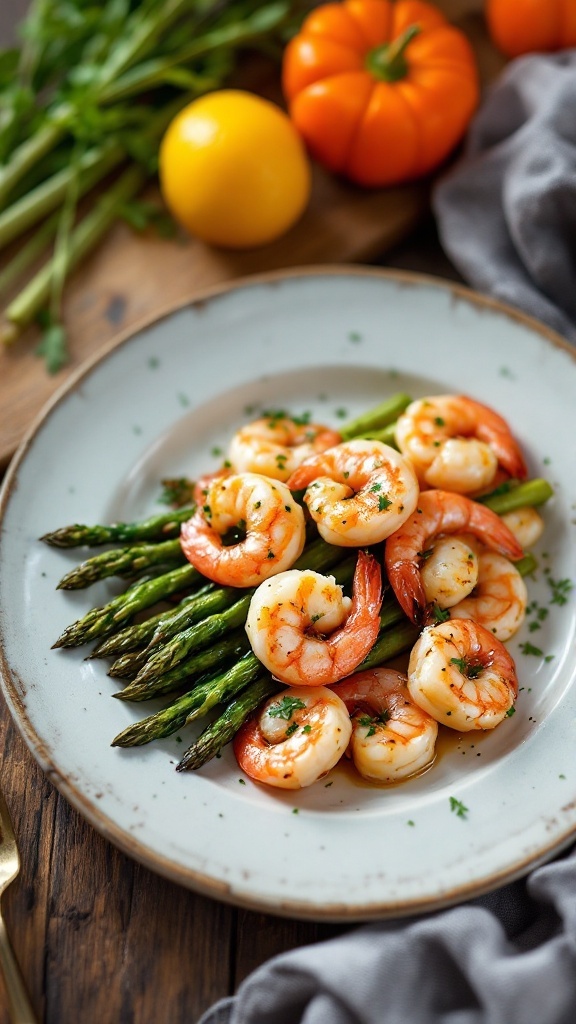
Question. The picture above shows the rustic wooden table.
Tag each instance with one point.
(99, 937)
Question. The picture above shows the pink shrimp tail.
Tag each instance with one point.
(494, 430)
(356, 639)
(308, 471)
(439, 512)
(405, 580)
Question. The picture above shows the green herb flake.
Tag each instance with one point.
(560, 590)
(440, 614)
(292, 728)
(467, 668)
(383, 503)
(511, 711)
(177, 491)
(528, 648)
(458, 808)
(285, 708)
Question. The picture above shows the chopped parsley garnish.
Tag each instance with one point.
(560, 590)
(467, 668)
(383, 503)
(459, 809)
(440, 614)
(292, 728)
(177, 491)
(528, 648)
(371, 722)
(511, 711)
(285, 708)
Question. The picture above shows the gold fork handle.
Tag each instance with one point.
(19, 1007)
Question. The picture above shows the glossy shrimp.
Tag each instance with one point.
(295, 738)
(462, 675)
(264, 513)
(275, 445)
(526, 524)
(449, 571)
(358, 492)
(306, 632)
(438, 512)
(498, 601)
(392, 738)
(457, 444)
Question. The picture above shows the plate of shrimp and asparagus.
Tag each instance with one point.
(335, 621)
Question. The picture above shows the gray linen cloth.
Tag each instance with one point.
(506, 958)
(506, 213)
(507, 218)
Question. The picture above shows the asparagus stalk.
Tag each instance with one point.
(192, 705)
(382, 415)
(514, 495)
(391, 643)
(29, 252)
(224, 728)
(40, 201)
(103, 620)
(137, 636)
(121, 562)
(22, 310)
(158, 527)
(199, 608)
(234, 645)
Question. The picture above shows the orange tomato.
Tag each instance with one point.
(234, 170)
(381, 92)
(525, 26)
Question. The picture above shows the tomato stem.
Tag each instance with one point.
(388, 62)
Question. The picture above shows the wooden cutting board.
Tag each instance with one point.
(131, 278)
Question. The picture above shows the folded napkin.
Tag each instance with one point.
(506, 958)
(506, 213)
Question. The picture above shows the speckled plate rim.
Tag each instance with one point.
(166, 867)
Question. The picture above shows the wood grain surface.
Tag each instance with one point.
(102, 940)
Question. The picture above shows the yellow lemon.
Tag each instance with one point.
(233, 169)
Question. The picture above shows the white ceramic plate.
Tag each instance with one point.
(333, 342)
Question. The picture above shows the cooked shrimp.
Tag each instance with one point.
(358, 493)
(438, 512)
(457, 444)
(262, 509)
(498, 602)
(449, 571)
(276, 444)
(392, 738)
(526, 524)
(295, 739)
(306, 632)
(462, 675)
